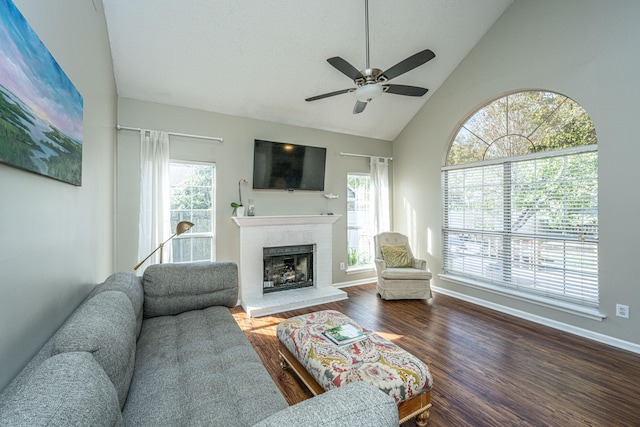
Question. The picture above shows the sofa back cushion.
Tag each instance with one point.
(131, 285)
(171, 289)
(70, 389)
(105, 327)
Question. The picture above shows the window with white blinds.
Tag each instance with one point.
(528, 222)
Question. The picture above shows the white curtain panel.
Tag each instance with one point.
(155, 225)
(379, 170)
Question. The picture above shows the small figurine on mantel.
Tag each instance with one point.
(329, 197)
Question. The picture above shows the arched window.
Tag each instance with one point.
(520, 200)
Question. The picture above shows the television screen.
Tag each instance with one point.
(284, 166)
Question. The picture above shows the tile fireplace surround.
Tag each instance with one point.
(258, 232)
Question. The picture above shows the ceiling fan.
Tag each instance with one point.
(371, 82)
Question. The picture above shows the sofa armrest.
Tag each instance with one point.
(170, 289)
(420, 264)
(355, 404)
(380, 264)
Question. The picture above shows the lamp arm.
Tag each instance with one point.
(163, 243)
(154, 251)
(148, 256)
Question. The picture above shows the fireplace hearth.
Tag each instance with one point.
(287, 267)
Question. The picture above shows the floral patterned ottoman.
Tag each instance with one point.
(323, 365)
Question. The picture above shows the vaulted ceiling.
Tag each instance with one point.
(260, 59)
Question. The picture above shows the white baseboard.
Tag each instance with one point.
(605, 339)
(355, 282)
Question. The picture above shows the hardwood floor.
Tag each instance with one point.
(489, 368)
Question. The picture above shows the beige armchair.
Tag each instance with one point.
(400, 275)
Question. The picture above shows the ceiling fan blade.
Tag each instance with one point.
(345, 68)
(359, 107)
(326, 95)
(408, 64)
(405, 90)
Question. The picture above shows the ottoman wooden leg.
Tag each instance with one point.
(296, 367)
(423, 418)
(283, 362)
(417, 408)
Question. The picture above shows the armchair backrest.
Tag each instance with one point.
(390, 238)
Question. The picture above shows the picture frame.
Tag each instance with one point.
(41, 111)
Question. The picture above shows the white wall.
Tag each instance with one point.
(585, 49)
(234, 161)
(57, 239)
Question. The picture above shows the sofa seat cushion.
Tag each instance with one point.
(70, 389)
(105, 327)
(405, 274)
(198, 368)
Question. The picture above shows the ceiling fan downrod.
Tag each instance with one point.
(368, 88)
(366, 29)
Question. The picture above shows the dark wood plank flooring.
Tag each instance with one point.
(489, 368)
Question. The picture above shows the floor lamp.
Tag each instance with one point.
(180, 228)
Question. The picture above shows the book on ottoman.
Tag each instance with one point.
(345, 334)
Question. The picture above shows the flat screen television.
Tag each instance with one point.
(284, 166)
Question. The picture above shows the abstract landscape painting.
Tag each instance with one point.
(40, 109)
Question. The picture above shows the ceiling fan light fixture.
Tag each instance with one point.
(368, 92)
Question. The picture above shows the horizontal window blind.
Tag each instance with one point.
(530, 225)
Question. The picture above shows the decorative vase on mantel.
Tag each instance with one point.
(240, 211)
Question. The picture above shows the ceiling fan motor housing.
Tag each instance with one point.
(370, 75)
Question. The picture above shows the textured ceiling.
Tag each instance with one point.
(261, 59)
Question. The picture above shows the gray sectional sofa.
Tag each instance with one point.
(164, 350)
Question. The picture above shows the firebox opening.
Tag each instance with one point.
(287, 267)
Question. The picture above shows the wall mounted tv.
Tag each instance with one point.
(283, 166)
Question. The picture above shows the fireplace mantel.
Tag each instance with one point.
(260, 221)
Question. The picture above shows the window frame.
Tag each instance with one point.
(193, 232)
(588, 309)
(358, 268)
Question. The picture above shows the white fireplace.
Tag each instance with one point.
(259, 232)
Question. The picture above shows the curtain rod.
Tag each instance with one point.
(186, 135)
(365, 155)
